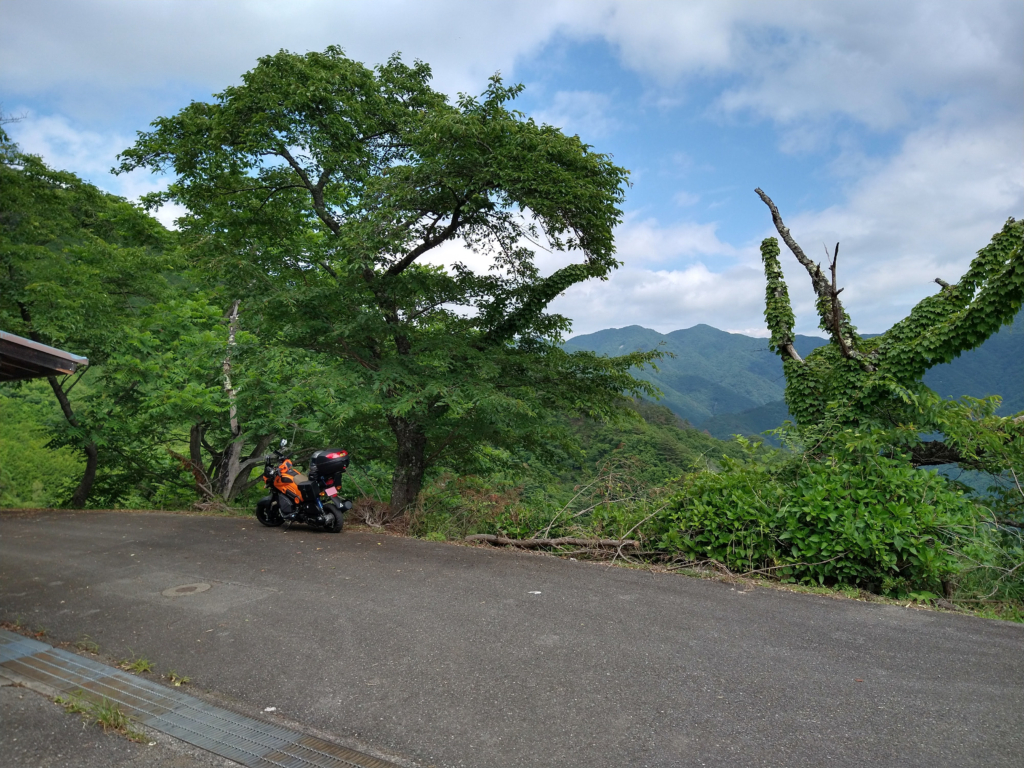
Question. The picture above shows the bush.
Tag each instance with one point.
(453, 507)
(33, 473)
(852, 517)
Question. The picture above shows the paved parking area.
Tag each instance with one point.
(444, 655)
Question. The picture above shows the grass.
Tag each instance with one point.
(87, 644)
(136, 664)
(177, 680)
(104, 713)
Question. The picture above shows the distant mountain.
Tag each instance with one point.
(994, 368)
(712, 373)
(728, 383)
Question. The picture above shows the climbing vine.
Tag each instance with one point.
(877, 382)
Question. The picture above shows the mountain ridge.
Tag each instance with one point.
(731, 383)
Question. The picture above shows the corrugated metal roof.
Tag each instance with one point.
(22, 358)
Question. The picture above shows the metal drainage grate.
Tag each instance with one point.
(243, 739)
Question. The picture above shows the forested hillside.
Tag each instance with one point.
(712, 372)
(728, 383)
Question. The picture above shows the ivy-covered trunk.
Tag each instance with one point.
(410, 463)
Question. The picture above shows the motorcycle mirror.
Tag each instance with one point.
(284, 443)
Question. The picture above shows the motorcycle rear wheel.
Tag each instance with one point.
(268, 513)
(335, 521)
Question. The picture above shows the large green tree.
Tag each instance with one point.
(77, 264)
(315, 190)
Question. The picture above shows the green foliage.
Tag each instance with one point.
(853, 516)
(167, 376)
(994, 368)
(137, 664)
(853, 507)
(77, 265)
(87, 644)
(104, 712)
(451, 507)
(77, 262)
(877, 382)
(177, 680)
(315, 187)
(608, 489)
(32, 473)
(659, 445)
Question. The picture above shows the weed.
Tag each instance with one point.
(105, 713)
(74, 703)
(136, 664)
(86, 643)
(177, 680)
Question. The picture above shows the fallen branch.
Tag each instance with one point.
(563, 541)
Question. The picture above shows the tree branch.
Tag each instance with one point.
(429, 243)
(562, 541)
(832, 318)
(932, 453)
(837, 308)
(315, 190)
(791, 351)
(818, 280)
(356, 357)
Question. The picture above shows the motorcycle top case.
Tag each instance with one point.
(329, 461)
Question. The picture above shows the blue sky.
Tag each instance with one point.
(894, 128)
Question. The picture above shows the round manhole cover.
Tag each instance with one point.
(186, 589)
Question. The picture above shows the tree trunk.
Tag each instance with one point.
(195, 461)
(241, 482)
(411, 463)
(92, 454)
(230, 464)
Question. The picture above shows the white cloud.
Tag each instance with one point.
(124, 45)
(63, 145)
(795, 59)
(584, 113)
(645, 241)
(944, 79)
(876, 62)
(666, 300)
(922, 215)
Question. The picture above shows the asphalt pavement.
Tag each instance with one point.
(442, 655)
(37, 733)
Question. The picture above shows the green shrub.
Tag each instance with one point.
(453, 507)
(33, 473)
(853, 517)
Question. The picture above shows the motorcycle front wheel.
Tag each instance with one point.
(268, 513)
(335, 521)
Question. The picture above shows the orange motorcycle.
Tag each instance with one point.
(314, 499)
